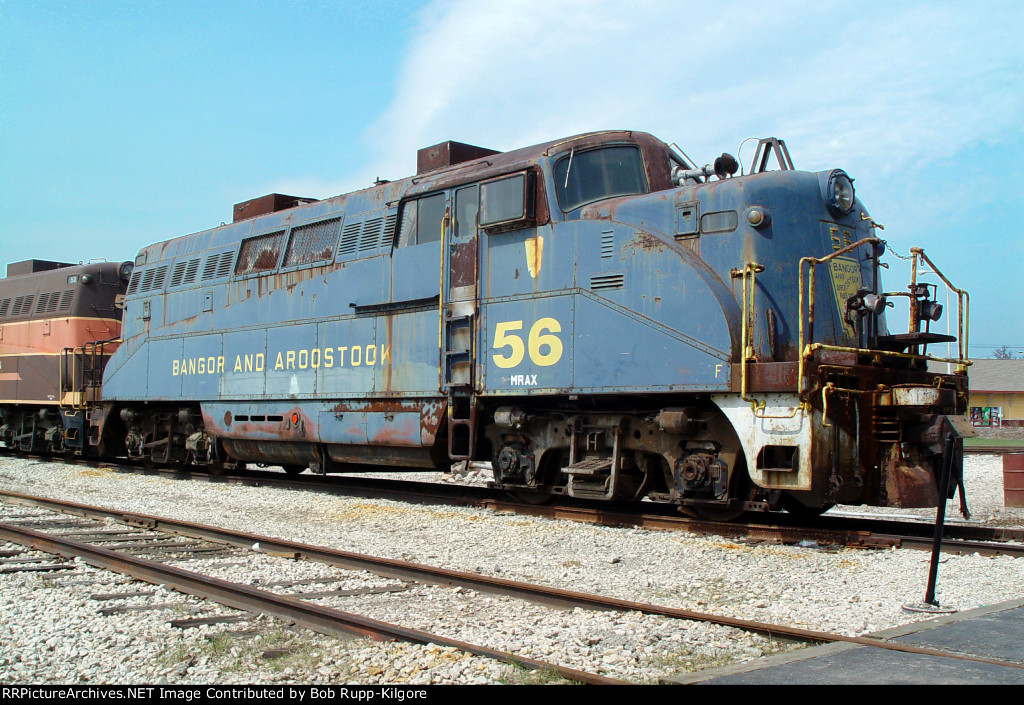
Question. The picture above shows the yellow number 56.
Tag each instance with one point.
(542, 335)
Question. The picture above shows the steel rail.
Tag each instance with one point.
(959, 547)
(875, 533)
(441, 576)
(993, 450)
(616, 515)
(422, 492)
(324, 620)
(857, 538)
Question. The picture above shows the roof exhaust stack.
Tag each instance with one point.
(448, 154)
(271, 203)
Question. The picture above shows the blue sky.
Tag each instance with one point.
(127, 123)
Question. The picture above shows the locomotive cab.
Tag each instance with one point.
(766, 386)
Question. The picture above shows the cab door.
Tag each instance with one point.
(460, 290)
(459, 310)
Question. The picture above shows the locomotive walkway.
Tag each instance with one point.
(991, 633)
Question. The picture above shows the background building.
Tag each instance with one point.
(997, 393)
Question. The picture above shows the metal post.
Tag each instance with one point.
(930, 603)
(940, 518)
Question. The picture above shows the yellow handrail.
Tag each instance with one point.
(749, 272)
(963, 302)
(812, 262)
(441, 306)
(807, 349)
(750, 269)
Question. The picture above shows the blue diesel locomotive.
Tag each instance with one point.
(597, 316)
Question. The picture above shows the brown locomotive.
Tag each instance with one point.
(59, 323)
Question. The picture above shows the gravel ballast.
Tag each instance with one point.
(51, 630)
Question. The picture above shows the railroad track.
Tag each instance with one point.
(993, 450)
(857, 532)
(826, 530)
(331, 621)
(117, 553)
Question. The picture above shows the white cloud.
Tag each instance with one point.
(860, 84)
(898, 93)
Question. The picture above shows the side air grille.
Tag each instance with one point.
(607, 280)
(185, 272)
(367, 237)
(161, 275)
(259, 254)
(349, 239)
(312, 243)
(218, 264)
(22, 305)
(370, 237)
(388, 238)
(152, 279)
(178, 274)
(66, 299)
(48, 302)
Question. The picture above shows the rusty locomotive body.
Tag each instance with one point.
(597, 316)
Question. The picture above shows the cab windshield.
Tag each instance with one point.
(585, 177)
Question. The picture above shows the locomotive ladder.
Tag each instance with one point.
(80, 374)
(79, 378)
(457, 366)
(457, 333)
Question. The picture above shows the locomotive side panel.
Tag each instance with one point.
(245, 364)
(265, 348)
(407, 354)
(619, 351)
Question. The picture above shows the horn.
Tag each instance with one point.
(726, 165)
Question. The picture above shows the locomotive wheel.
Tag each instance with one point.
(293, 470)
(550, 474)
(743, 489)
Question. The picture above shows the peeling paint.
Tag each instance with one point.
(534, 255)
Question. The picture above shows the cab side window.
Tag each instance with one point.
(421, 221)
(465, 212)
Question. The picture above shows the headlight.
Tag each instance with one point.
(840, 192)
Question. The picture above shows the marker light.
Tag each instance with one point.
(757, 216)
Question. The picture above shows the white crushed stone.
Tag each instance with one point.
(51, 632)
